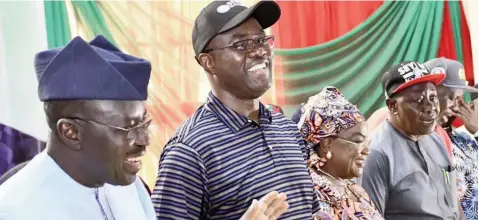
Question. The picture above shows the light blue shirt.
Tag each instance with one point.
(410, 179)
(42, 190)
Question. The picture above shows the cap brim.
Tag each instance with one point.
(434, 78)
(462, 87)
(266, 13)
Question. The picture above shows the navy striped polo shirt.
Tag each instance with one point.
(218, 161)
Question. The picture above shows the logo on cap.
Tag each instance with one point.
(412, 71)
(438, 70)
(462, 74)
(226, 7)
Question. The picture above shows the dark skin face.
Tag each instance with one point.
(448, 102)
(230, 71)
(413, 111)
(93, 153)
(349, 150)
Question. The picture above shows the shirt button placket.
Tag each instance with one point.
(273, 152)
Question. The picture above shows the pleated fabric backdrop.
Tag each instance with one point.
(347, 44)
(350, 44)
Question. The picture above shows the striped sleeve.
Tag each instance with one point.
(180, 189)
(316, 205)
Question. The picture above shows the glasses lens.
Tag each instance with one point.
(265, 42)
(249, 45)
(132, 133)
(269, 42)
(142, 127)
(253, 44)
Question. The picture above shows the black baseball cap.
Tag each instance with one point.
(221, 16)
(455, 75)
(406, 74)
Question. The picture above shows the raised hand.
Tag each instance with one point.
(468, 115)
(270, 207)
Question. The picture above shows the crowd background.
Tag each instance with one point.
(345, 44)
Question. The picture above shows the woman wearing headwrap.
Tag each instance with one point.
(335, 134)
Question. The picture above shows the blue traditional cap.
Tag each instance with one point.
(91, 71)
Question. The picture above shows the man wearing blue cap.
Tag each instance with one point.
(93, 97)
(233, 149)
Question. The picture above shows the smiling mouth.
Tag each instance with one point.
(133, 162)
(259, 67)
(360, 162)
(428, 121)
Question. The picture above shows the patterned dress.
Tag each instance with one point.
(338, 205)
(465, 162)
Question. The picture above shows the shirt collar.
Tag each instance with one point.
(61, 176)
(232, 119)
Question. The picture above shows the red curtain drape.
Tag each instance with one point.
(308, 23)
(446, 43)
(466, 48)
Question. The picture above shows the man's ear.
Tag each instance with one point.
(207, 62)
(392, 105)
(69, 132)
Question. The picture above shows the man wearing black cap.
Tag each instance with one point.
(233, 149)
(408, 173)
(93, 97)
(464, 147)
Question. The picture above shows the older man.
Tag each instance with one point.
(450, 93)
(93, 97)
(233, 149)
(408, 173)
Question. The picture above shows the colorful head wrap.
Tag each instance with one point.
(327, 114)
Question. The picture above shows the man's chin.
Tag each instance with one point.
(259, 91)
(126, 180)
(426, 130)
(264, 89)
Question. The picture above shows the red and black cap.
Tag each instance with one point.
(406, 74)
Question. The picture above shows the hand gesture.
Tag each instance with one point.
(468, 116)
(270, 207)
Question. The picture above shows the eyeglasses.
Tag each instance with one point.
(131, 133)
(357, 145)
(249, 45)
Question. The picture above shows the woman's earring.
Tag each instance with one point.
(329, 155)
(322, 162)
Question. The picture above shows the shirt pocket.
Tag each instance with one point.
(448, 182)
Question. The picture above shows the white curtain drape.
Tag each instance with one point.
(22, 34)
